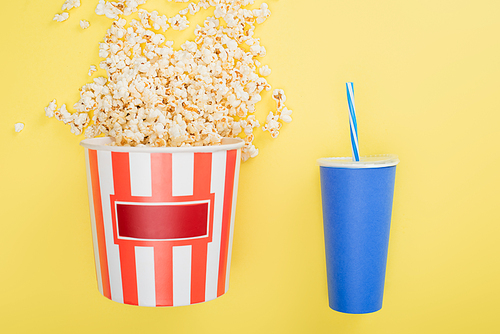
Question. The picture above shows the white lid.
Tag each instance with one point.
(372, 161)
(102, 144)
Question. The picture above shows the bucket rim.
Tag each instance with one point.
(102, 144)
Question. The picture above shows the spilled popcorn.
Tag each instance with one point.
(61, 17)
(156, 95)
(69, 4)
(51, 108)
(92, 69)
(84, 24)
(18, 127)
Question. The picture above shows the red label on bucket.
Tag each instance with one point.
(162, 221)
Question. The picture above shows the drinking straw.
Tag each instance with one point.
(352, 121)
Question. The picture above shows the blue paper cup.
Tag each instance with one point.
(357, 206)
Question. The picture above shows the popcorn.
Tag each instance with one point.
(257, 50)
(158, 22)
(248, 151)
(92, 69)
(130, 6)
(51, 108)
(193, 8)
(155, 95)
(84, 24)
(178, 22)
(109, 9)
(285, 115)
(62, 114)
(61, 17)
(262, 13)
(272, 125)
(18, 127)
(279, 97)
(69, 4)
(249, 124)
(91, 131)
(265, 71)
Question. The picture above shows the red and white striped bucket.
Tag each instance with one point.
(162, 220)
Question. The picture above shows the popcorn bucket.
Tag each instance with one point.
(162, 220)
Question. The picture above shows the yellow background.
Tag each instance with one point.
(426, 75)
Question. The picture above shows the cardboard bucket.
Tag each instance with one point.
(162, 220)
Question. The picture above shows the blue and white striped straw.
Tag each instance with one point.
(352, 121)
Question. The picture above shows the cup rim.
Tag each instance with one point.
(370, 161)
(102, 144)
